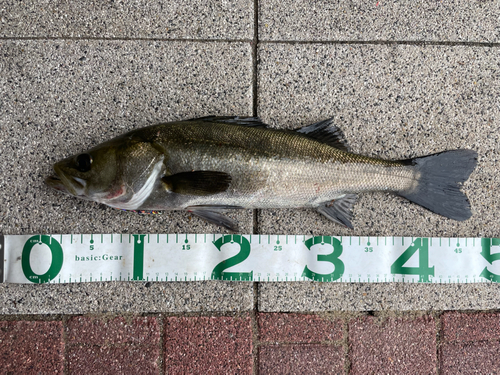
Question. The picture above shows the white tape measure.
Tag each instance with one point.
(190, 257)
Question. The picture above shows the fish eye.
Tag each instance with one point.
(83, 162)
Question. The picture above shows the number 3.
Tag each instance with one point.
(332, 258)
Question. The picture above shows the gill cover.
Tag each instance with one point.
(114, 173)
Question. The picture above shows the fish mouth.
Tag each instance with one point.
(66, 184)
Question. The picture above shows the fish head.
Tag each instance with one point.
(111, 173)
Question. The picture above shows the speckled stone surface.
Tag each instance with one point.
(296, 297)
(190, 19)
(60, 97)
(382, 20)
(98, 298)
(392, 102)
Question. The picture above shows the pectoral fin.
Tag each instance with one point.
(339, 210)
(210, 214)
(197, 182)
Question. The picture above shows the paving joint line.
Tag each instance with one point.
(64, 321)
(255, 46)
(385, 42)
(251, 41)
(345, 344)
(255, 330)
(120, 39)
(161, 360)
(438, 325)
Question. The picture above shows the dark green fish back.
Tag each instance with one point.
(256, 140)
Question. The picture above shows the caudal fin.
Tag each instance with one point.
(441, 176)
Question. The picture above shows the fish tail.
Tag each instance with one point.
(441, 176)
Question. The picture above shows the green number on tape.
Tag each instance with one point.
(332, 258)
(55, 266)
(486, 244)
(423, 270)
(218, 272)
(138, 270)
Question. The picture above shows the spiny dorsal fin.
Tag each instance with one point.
(326, 132)
(339, 210)
(246, 121)
(197, 182)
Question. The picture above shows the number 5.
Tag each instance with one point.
(486, 244)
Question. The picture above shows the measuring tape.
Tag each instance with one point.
(74, 258)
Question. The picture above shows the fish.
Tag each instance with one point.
(210, 165)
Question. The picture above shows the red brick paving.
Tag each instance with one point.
(324, 357)
(301, 359)
(458, 326)
(137, 330)
(305, 328)
(31, 347)
(470, 358)
(393, 346)
(111, 346)
(203, 345)
(470, 343)
(113, 360)
(284, 343)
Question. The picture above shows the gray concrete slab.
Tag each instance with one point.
(124, 297)
(192, 19)
(58, 98)
(290, 297)
(385, 20)
(392, 102)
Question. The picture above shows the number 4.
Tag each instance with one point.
(423, 270)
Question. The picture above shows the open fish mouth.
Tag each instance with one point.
(67, 184)
(56, 183)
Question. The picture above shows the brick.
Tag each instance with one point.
(31, 347)
(300, 328)
(208, 345)
(470, 358)
(393, 346)
(113, 345)
(301, 359)
(129, 359)
(458, 326)
(94, 331)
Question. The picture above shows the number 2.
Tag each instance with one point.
(218, 271)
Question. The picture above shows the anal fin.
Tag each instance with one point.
(339, 210)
